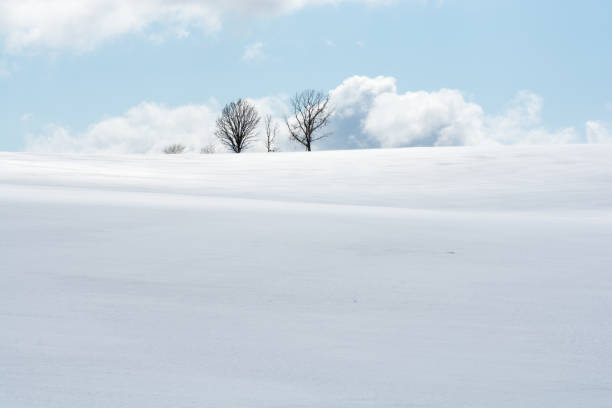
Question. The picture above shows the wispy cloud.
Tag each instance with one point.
(253, 52)
(31, 25)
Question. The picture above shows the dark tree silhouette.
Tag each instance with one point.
(271, 132)
(237, 125)
(174, 149)
(208, 149)
(311, 113)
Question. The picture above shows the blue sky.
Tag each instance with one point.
(486, 50)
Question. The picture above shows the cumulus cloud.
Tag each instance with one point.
(150, 127)
(369, 112)
(83, 24)
(356, 94)
(520, 123)
(424, 119)
(146, 128)
(351, 101)
(372, 113)
(598, 132)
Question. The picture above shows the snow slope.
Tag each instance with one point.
(428, 277)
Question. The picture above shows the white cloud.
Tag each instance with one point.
(369, 112)
(598, 132)
(146, 128)
(424, 118)
(352, 100)
(26, 116)
(520, 123)
(356, 94)
(372, 113)
(150, 127)
(182, 33)
(253, 52)
(82, 24)
(28, 25)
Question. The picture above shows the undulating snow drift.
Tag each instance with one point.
(428, 277)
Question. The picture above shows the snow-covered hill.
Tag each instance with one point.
(429, 277)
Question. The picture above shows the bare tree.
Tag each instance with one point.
(311, 113)
(271, 132)
(174, 149)
(210, 148)
(237, 125)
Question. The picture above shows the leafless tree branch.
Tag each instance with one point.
(271, 133)
(311, 113)
(208, 149)
(237, 125)
(174, 149)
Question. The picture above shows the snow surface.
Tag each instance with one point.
(427, 277)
